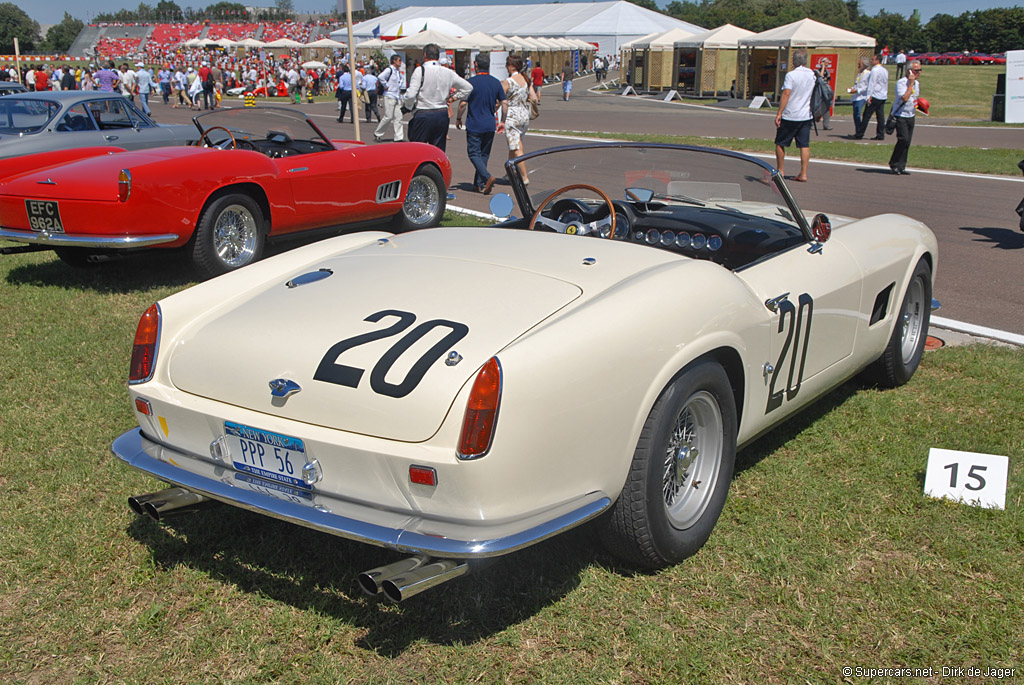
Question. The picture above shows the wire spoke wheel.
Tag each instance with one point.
(235, 236)
(912, 320)
(693, 458)
(422, 201)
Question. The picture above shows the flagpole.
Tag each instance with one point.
(352, 64)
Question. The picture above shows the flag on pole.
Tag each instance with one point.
(399, 34)
(376, 32)
(424, 27)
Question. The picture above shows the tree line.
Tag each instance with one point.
(992, 30)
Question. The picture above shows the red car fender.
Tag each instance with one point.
(15, 166)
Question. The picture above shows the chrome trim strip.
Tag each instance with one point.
(96, 241)
(134, 449)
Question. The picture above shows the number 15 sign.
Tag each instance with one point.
(978, 479)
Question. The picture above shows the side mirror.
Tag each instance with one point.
(502, 205)
(641, 195)
(821, 228)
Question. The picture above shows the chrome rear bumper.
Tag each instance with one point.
(105, 242)
(399, 531)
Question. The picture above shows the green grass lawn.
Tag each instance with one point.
(827, 554)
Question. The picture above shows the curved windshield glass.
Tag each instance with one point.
(24, 115)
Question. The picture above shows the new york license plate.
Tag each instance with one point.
(44, 215)
(272, 456)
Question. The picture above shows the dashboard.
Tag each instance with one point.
(715, 232)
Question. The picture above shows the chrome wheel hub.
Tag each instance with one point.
(912, 321)
(235, 236)
(422, 201)
(693, 460)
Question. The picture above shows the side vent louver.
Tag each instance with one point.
(881, 307)
(389, 192)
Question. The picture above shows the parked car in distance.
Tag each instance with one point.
(11, 87)
(999, 58)
(457, 394)
(261, 173)
(60, 120)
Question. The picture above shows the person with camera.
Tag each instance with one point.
(908, 90)
(430, 92)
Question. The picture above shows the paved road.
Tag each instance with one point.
(981, 261)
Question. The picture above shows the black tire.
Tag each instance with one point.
(77, 257)
(672, 498)
(903, 353)
(230, 234)
(425, 201)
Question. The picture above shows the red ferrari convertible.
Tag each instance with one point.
(258, 174)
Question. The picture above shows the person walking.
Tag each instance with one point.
(567, 74)
(859, 92)
(793, 122)
(430, 92)
(206, 83)
(901, 62)
(144, 85)
(369, 86)
(108, 78)
(391, 77)
(878, 91)
(344, 94)
(519, 93)
(826, 75)
(908, 90)
(537, 76)
(487, 96)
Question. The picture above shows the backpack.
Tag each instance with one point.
(821, 98)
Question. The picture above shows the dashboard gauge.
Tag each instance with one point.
(715, 243)
(621, 225)
(683, 239)
(698, 241)
(668, 238)
(653, 236)
(570, 216)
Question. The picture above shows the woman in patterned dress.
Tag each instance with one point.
(519, 93)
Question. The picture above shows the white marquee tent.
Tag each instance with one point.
(609, 24)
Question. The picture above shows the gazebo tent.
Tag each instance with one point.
(484, 43)
(632, 60)
(712, 57)
(660, 72)
(764, 58)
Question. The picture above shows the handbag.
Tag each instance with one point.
(890, 123)
(534, 106)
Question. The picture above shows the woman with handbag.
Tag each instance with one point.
(520, 94)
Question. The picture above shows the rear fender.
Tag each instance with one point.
(15, 166)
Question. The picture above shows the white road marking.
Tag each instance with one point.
(980, 331)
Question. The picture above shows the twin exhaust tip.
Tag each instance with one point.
(411, 576)
(396, 581)
(167, 503)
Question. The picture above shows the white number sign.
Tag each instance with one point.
(970, 477)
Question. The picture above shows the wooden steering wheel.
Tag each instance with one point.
(561, 228)
(234, 143)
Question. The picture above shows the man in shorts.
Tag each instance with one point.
(793, 122)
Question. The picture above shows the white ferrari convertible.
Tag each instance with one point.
(457, 394)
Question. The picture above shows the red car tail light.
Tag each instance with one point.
(147, 335)
(124, 185)
(481, 411)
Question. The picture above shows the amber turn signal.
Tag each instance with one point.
(147, 335)
(481, 411)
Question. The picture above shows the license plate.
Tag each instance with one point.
(275, 490)
(272, 456)
(44, 215)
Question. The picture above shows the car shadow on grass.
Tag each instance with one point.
(999, 238)
(310, 570)
(120, 274)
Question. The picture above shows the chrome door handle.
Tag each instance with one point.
(772, 303)
(298, 168)
(110, 137)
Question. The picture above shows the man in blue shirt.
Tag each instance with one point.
(481, 104)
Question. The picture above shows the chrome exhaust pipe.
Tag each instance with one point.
(406, 585)
(170, 502)
(370, 581)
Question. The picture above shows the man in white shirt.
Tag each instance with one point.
(793, 122)
(430, 91)
(908, 89)
(878, 91)
(901, 62)
(393, 80)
